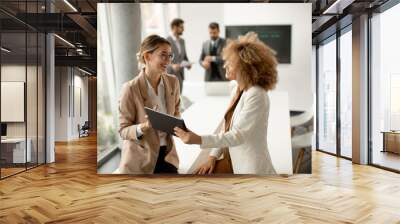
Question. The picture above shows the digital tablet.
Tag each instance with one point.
(164, 122)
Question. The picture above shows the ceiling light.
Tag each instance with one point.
(5, 50)
(64, 40)
(338, 6)
(70, 5)
(84, 71)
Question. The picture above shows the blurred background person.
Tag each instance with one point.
(180, 59)
(210, 57)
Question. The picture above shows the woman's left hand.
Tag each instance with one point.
(187, 137)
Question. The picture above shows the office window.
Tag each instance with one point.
(108, 138)
(385, 89)
(327, 96)
(156, 18)
(346, 94)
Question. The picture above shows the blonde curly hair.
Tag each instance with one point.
(252, 60)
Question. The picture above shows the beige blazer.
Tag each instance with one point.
(140, 156)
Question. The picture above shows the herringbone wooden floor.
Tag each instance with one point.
(70, 191)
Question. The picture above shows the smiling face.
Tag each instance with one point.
(229, 74)
(158, 60)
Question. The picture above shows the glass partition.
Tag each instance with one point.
(13, 105)
(22, 77)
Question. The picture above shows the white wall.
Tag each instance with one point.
(61, 103)
(295, 77)
(197, 17)
(67, 86)
(14, 73)
(80, 83)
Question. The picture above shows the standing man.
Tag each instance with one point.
(210, 57)
(180, 60)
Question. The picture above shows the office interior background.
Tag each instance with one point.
(48, 82)
(48, 87)
(76, 83)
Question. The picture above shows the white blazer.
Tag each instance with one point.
(247, 138)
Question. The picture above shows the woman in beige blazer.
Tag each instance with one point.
(146, 150)
(243, 140)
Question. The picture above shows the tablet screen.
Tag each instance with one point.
(164, 122)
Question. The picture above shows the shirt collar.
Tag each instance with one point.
(161, 84)
(174, 37)
(214, 41)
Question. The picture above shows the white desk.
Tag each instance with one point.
(204, 116)
(18, 149)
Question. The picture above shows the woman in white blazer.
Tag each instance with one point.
(253, 65)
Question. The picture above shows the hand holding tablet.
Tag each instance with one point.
(164, 122)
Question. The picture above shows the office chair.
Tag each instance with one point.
(302, 132)
(84, 130)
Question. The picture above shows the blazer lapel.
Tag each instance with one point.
(147, 101)
(238, 107)
(209, 47)
(182, 46)
(174, 49)
(169, 95)
(219, 45)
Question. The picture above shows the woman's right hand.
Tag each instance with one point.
(145, 126)
(207, 167)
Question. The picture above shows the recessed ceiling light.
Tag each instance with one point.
(84, 71)
(338, 6)
(64, 40)
(70, 5)
(5, 50)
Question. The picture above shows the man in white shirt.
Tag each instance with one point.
(180, 60)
